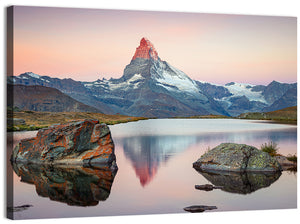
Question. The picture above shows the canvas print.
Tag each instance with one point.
(119, 112)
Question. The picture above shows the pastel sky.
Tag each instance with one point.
(87, 44)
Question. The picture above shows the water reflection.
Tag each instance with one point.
(241, 183)
(148, 153)
(73, 185)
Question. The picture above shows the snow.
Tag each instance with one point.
(33, 75)
(136, 77)
(128, 84)
(113, 86)
(44, 80)
(89, 84)
(213, 84)
(240, 89)
(178, 79)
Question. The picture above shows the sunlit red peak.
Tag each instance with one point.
(145, 50)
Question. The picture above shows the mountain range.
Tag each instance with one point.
(41, 98)
(151, 87)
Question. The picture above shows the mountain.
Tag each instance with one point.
(275, 90)
(40, 98)
(237, 98)
(70, 87)
(288, 99)
(151, 87)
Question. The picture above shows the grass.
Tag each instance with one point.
(36, 120)
(286, 115)
(292, 158)
(25, 128)
(271, 148)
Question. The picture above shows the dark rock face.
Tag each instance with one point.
(287, 100)
(214, 91)
(241, 183)
(82, 142)
(237, 158)
(73, 185)
(242, 103)
(275, 90)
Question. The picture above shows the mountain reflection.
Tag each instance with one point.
(148, 153)
(73, 185)
(241, 183)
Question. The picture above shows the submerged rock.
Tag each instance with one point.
(237, 158)
(207, 187)
(199, 208)
(18, 208)
(81, 142)
(284, 162)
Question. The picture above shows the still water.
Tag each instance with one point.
(155, 173)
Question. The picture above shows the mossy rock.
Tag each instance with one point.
(237, 158)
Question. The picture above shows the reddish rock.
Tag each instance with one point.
(81, 142)
(145, 50)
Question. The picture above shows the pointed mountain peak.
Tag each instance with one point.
(145, 50)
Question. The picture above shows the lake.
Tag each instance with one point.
(155, 173)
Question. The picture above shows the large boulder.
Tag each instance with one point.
(237, 158)
(80, 142)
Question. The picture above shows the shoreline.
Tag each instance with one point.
(34, 120)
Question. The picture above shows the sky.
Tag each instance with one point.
(88, 44)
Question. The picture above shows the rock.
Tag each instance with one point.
(207, 187)
(237, 158)
(80, 142)
(18, 208)
(145, 50)
(199, 208)
(284, 162)
(71, 184)
(241, 183)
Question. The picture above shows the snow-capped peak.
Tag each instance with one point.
(31, 74)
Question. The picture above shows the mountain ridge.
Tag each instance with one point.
(41, 98)
(151, 87)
